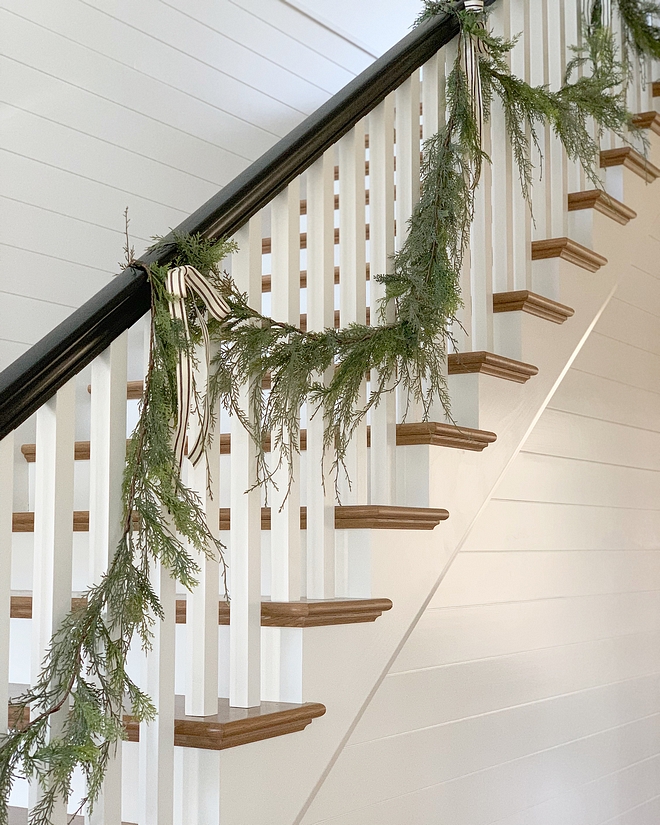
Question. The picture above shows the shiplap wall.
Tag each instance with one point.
(153, 105)
(529, 692)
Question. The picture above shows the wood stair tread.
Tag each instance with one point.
(367, 516)
(425, 432)
(602, 202)
(488, 363)
(228, 728)
(303, 613)
(568, 250)
(631, 159)
(648, 120)
(524, 301)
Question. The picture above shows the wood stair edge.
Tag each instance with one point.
(524, 301)
(630, 159)
(431, 432)
(602, 202)
(648, 120)
(229, 728)
(568, 250)
(488, 363)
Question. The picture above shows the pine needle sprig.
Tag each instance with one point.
(76, 707)
(641, 35)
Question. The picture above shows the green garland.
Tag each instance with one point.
(85, 667)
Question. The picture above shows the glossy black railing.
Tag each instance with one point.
(34, 377)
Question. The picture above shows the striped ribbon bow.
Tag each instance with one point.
(180, 281)
(605, 12)
(472, 48)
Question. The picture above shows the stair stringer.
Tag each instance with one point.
(344, 666)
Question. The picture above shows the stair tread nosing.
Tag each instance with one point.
(436, 433)
(522, 300)
(568, 250)
(602, 202)
(647, 120)
(351, 517)
(303, 613)
(228, 728)
(488, 363)
(631, 159)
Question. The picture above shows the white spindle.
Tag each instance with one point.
(407, 122)
(481, 257)
(353, 287)
(556, 177)
(320, 315)
(433, 95)
(157, 738)
(521, 223)
(538, 76)
(106, 467)
(53, 536)
(6, 507)
(202, 602)
(381, 248)
(285, 302)
(502, 192)
(245, 536)
(572, 33)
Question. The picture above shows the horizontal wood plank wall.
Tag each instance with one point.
(528, 694)
(153, 106)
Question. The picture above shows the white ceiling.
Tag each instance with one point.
(375, 24)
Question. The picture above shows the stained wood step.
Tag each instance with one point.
(601, 202)
(429, 432)
(304, 613)
(648, 120)
(487, 363)
(524, 301)
(631, 159)
(266, 280)
(568, 250)
(229, 728)
(133, 390)
(367, 516)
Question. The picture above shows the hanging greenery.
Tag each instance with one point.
(85, 667)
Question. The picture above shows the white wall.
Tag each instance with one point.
(529, 692)
(153, 105)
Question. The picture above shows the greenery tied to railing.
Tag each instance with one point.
(85, 667)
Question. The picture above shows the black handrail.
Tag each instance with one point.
(37, 374)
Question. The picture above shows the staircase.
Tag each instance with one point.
(258, 700)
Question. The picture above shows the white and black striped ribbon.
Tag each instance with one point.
(472, 48)
(180, 281)
(606, 13)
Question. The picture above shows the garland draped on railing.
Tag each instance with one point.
(85, 667)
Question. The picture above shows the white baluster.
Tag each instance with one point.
(353, 287)
(407, 121)
(538, 76)
(572, 34)
(202, 602)
(53, 537)
(320, 315)
(381, 248)
(6, 507)
(557, 177)
(106, 467)
(521, 226)
(157, 738)
(281, 670)
(503, 193)
(481, 257)
(245, 536)
(285, 302)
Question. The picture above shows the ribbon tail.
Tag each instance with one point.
(176, 286)
(196, 452)
(473, 76)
